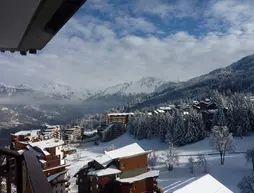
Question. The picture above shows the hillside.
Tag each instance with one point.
(230, 174)
(238, 77)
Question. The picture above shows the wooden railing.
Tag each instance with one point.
(22, 172)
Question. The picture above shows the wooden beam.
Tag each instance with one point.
(36, 177)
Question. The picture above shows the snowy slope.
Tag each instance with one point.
(66, 91)
(229, 175)
(145, 85)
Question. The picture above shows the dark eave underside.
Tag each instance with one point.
(28, 25)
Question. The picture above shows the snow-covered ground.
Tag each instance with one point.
(230, 174)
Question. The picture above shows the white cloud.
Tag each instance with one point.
(89, 53)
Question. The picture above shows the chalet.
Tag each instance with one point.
(73, 134)
(118, 118)
(50, 131)
(51, 158)
(17, 138)
(50, 155)
(112, 132)
(118, 171)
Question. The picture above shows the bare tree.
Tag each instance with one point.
(77, 156)
(249, 156)
(191, 164)
(222, 141)
(202, 161)
(112, 147)
(246, 185)
(171, 158)
(152, 159)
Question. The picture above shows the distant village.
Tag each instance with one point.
(119, 170)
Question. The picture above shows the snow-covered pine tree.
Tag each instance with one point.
(222, 141)
(230, 119)
(217, 98)
(219, 118)
(246, 185)
(195, 127)
(249, 156)
(178, 129)
(168, 128)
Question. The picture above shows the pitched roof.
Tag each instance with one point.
(104, 172)
(126, 151)
(149, 174)
(103, 160)
(120, 114)
(47, 143)
(33, 133)
(54, 176)
(206, 184)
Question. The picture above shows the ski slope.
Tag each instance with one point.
(230, 174)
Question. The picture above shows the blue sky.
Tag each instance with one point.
(114, 41)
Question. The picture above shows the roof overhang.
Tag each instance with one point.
(28, 25)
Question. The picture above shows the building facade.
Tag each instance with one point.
(118, 118)
(118, 171)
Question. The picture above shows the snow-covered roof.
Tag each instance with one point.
(52, 126)
(160, 111)
(206, 184)
(89, 133)
(126, 151)
(104, 172)
(120, 114)
(165, 108)
(21, 151)
(47, 143)
(54, 176)
(42, 161)
(33, 133)
(149, 113)
(149, 174)
(104, 160)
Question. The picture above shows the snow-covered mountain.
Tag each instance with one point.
(145, 85)
(59, 90)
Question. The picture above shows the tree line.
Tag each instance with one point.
(236, 111)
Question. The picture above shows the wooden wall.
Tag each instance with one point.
(127, 164)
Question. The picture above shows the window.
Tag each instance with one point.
(123, 165)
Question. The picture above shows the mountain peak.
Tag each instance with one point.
(144, 85)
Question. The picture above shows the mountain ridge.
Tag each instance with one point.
(237, 77)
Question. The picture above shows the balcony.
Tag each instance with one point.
(28, 25)
(22, 172)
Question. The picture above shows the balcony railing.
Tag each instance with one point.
(22, 172)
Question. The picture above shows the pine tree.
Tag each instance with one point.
(219, 118)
